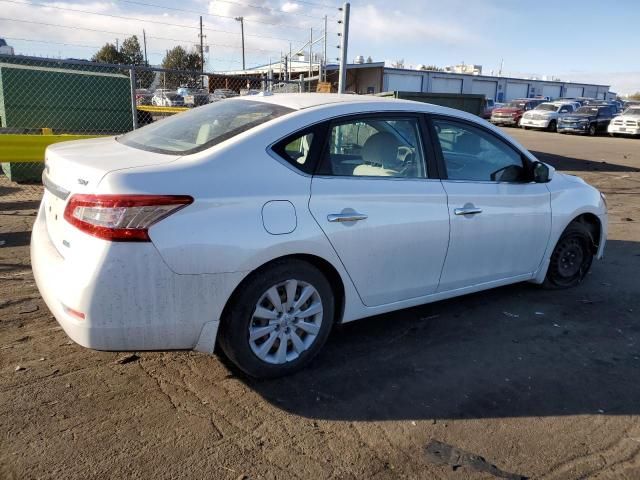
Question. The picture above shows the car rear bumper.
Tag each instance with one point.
(129, 297)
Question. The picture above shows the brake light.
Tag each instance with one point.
(121, 218)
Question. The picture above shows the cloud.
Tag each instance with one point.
(222, 34)
(384, 27)
(290, 7)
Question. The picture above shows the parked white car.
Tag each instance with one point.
(164, 98)
(259, 222)
(546, 115)
(626, 124)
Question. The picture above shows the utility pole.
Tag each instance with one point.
(344, 44)
(117, 44)
(310, 56)
(241, 20)
(201, 47)
(144, 41)
(324, 54)
(289, 62)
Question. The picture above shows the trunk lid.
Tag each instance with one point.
(78, 167)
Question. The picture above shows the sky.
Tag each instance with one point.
(575, 40)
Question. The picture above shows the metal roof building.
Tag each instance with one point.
(366, 78)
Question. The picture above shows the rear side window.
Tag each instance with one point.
(202, 127)
(297, 149)
(375, 147)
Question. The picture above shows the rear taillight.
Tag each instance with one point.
(121, 218)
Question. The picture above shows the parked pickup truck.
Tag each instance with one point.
(587, 120)
(546, 115)
(511, 113)
(626, 124)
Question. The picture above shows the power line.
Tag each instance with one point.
(314, 4)
(73, 27)
(268, 9)
(97, 47)
(142, 20)
(197, 12)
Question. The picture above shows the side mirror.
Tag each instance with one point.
(540, 172)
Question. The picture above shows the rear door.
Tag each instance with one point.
(373, 198)
(500, 221)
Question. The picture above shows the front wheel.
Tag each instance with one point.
(278, 320)
(572, 257)
(553, 126)
(592, 130)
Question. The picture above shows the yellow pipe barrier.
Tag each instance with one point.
(30, 148)
(154, 109)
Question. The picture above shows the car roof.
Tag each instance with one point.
(299, 101)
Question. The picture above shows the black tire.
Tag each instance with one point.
(234, 329)
(593, 130)
(571, 258)
(553, 126)
(526, 128)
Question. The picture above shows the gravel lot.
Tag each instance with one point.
(543, 384)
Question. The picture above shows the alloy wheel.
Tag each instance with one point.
(285, 322)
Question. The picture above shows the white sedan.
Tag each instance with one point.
(257, 223)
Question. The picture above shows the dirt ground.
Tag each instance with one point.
(543, 384)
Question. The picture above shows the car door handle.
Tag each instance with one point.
(467, 211)
(346, 217)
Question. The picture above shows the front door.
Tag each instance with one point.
(500, 219)
(387, 221)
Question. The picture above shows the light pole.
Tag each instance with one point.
(241, 20)
(342, 79)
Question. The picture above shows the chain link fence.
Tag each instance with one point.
(44, 101)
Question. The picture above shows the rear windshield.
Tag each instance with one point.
(202, 127)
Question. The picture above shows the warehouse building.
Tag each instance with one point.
(372, 78)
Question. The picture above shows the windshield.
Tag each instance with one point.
(519, 105)
(632, 111)
(548, 107)
(203, 127)
(589, 110)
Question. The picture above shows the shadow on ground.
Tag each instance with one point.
(509, 352)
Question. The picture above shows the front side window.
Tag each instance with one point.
(375, 147)
(472, 154)
(202, 127)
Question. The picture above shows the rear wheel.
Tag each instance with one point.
(553, 126)
(278, 320)
(572, 257)
(593, 130)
